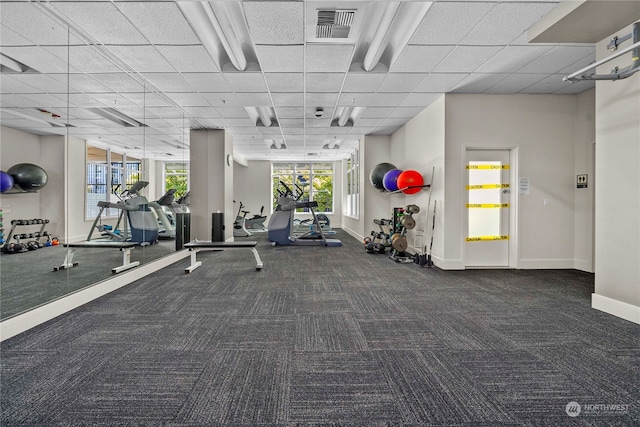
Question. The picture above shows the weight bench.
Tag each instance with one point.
(196, 246)
(125, 248)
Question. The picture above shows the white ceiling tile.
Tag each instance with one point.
(285, 82)
(245, 82)
(289, 112)
(419, 99)
(326, 58)
(401, 82)
(9, 37)
(447, 23)
(275, 22)
(87, 59)
(440, 82)
(405, 112)
(478, 83)
(287, 123)
(512, 58)
(186, 100)
(558, 59)
(206, 82)
(102, 21)
(362, 81)
(52, 59)
(324, 82)
(281, 59)
(144, 59)
(506, 21)
(188, 59)
(222, 99)
(323, 100)
(86, 83)
(376, 113)
(287, 99)
(207, 112)
(169, 82)
(232, 112)
(117, 82)
(515, 83)
(32, 23)
(254, 99)
(465, 59)
(420, 59)
(159, 22)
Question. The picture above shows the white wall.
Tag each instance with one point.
(252, 187)
(617, 190)
(377, 204)
(542, 127)
(356, 226)
(584, 163)
(48, 153)
(419, 145)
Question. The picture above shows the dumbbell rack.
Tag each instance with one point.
(399, 231)
(20, 238)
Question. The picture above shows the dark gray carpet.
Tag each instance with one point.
(27, 279)
(328, 336)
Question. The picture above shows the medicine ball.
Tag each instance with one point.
(28, 176)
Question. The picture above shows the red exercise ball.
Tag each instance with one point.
(410, 178)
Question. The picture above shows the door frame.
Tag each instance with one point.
(514, 186)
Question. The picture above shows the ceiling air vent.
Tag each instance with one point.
(334, 24)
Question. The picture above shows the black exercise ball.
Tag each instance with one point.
(28, 176)
(377, 174)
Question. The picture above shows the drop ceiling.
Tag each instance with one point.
(75, 63)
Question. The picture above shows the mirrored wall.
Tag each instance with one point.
(88, 179)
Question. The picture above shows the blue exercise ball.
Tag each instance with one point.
(6, 181)
(28, 176)
(390, 180)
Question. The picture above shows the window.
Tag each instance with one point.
(108, 175)
(176, 175)
(352, 203)
(308, 181)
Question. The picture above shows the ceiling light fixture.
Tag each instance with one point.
(220, 23)
(9, 64)
(265, 115)
(117, 117)
(347, 116)
(35, 119)
(332, 144)
(393, 25)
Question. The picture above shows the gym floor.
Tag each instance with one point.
(327, 336)
(28, 279)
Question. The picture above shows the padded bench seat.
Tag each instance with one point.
(124, 247)
(197, 245)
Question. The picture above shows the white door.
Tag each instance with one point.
(488, 204)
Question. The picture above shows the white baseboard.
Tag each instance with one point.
(546, 264)
(616, 308)
(25, 321)
(583, 265)
(353, 234)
